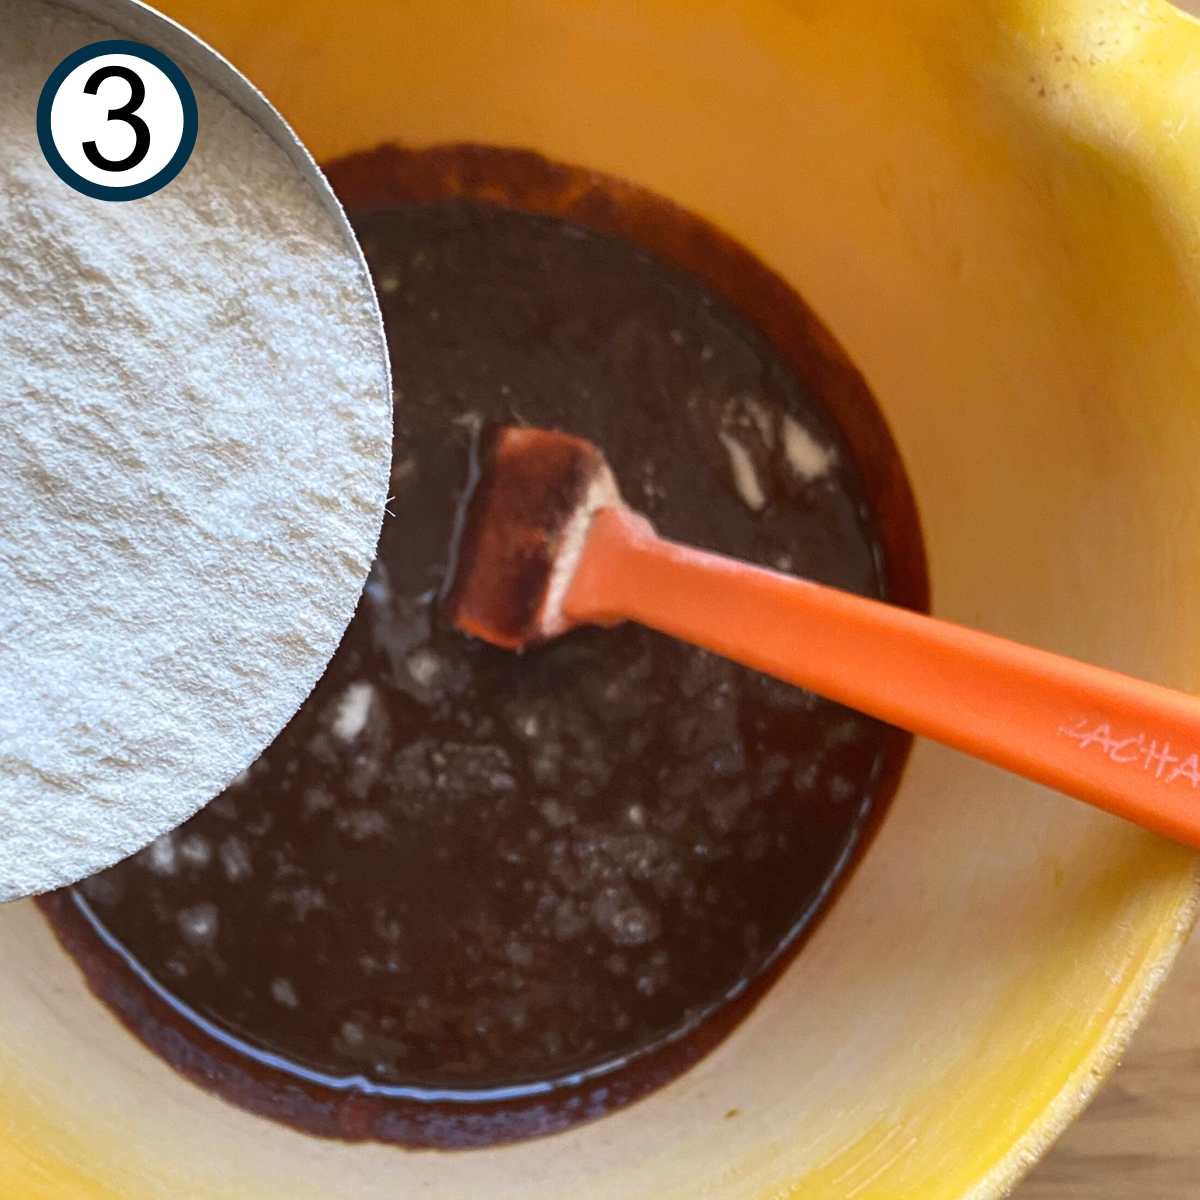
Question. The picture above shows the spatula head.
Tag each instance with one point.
(522, 532)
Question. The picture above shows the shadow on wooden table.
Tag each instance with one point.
(1140, 1139)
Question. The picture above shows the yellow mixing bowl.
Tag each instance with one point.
(995, 207)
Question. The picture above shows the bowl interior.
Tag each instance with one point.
(1010, 282)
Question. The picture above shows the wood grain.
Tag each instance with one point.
(1140, 1139)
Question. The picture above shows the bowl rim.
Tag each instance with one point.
(1098, 1064)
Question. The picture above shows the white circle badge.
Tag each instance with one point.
(117, 120)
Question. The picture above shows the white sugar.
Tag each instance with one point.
(352, 711)
(194, 446)
(199, 924)
(283, 991)
(745, 477)
(805, 455)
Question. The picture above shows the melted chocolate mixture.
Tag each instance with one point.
(467, 895)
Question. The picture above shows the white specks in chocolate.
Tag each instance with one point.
(362, 824)
(424, 666)
(745, 475)
(353, 1034)
(235, 859)
(655, 975)
(160, 856)
(557, 814)
(195, 850)
(353, 710)
(283, 991)
(198, 923)
(303, 900)
(622, 919)
(805, 455)
(404, 471)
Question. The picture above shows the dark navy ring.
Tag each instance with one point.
(187, 98)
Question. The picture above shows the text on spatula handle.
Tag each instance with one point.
(1136, 750)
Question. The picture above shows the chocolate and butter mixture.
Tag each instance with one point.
(464, 878)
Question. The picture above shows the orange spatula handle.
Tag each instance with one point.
(1128, 746)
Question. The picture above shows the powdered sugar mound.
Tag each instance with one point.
(194, 453)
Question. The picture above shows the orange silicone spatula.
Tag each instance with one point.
(547, 545)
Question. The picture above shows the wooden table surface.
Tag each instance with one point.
(1140, 1139)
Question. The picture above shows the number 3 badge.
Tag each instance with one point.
(117, 120)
